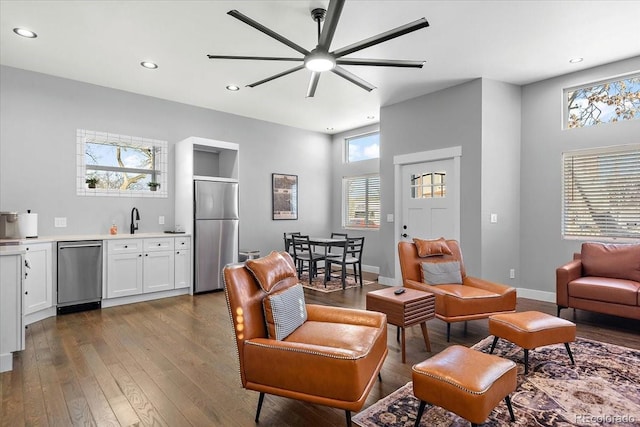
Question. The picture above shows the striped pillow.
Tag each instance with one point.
(285, 311)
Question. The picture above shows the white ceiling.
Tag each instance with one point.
(103, 42)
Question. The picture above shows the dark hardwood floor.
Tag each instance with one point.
(172, 362)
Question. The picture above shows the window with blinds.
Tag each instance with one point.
(362, 202)
(601, 195)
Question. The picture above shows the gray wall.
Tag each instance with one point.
(500, 181)
(543, 140)
(372, 255)
(39, 115)
(448, 118)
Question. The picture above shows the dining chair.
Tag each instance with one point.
(351, 255)
(287, 240)
(303, 254)
(334, 235)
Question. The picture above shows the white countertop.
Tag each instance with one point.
(76, 237)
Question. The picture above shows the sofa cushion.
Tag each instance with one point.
(427, 248)
(618, 261)
(270, 270)
(439, 273)
(284, 311)
(604, 289)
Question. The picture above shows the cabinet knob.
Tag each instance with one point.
(126, 246)
(139, 255)
(178, 252)
(159, 244)
(146, 254)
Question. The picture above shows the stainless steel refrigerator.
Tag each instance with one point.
(215, 232)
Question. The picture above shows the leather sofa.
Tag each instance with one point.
(604, 278)
(331, 359)
(473, 298)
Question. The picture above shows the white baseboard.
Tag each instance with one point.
(371, 269)
(389, 281)
(537, 295)
(112, 302)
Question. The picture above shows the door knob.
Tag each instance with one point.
(404, 234)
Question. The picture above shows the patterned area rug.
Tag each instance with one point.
(603, 388)
(334, 284)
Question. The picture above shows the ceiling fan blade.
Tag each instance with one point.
(353, 78)
(313, 84)
(267, 31)
(383, 37)
(284, 73)
(259, 58)
(330, 23)
(381, 62)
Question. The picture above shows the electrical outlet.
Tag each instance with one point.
(161, 219)
(60, 222)
(512, 273)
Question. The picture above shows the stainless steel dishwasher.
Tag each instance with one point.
(79, 275)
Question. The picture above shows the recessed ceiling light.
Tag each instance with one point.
(233, 88)
(149, 65)
(576, 60)
(371, 117)
(329, 128)
(25, 33)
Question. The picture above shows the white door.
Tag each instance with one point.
(428, 200)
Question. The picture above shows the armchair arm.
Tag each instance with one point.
(565, 274)
(496, 288)
(323, 313)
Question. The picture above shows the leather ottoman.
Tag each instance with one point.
(531, 329)
(464, 381)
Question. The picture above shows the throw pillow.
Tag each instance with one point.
(270, 270)
(427, 248)
(284, 311)
(440, 273)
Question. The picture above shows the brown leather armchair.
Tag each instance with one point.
(331, 359)
(473, 299)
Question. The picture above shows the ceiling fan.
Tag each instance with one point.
(321, 59)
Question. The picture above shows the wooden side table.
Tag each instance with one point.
(404, 310)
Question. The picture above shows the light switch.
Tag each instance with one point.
(389, 217)
(60, 222)
(161, 219)
(494, 218)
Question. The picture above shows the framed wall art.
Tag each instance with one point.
(284, 193)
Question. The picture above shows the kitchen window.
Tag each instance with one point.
(361, 202)
(601, 194)
(121, 165)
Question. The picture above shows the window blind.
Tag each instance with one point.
(601, 194)
(362, 202)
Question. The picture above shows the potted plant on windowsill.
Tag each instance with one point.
(153, 186)
(92, 181)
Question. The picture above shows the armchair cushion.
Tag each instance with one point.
(440, 273)
(271, 270)
(428, 248)
(284, 311)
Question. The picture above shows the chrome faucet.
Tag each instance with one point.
(134, 226)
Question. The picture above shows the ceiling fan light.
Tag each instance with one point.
(319, 62)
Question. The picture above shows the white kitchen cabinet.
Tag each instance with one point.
(137, 266)
(11, 317)
(38, 282)
(183, 262)
(158, 271)
(124, 268)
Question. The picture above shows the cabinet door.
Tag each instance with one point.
(158, 271)
(11, 329)
(38, 283)
(183, 269)
(124, 275)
